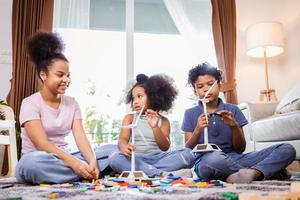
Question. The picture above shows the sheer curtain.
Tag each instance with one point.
(193, 20)
(72, 14)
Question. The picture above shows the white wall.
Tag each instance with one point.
(5, 47)
(284, 70)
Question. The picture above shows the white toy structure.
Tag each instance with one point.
(206, 146)
(132, 174)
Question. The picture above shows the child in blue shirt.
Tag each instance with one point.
(225, 129)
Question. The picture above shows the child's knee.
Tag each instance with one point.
(30, 160)
(188, 157)
(115, 157)
(203, 171)
(214, 159)
(290, 151)
(30, 165)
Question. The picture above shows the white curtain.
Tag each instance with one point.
(71, 14)
(193, 20)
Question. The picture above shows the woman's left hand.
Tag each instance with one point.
(94, 169)
(227, 117)
(152, 118)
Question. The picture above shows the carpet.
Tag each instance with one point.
(12, 190)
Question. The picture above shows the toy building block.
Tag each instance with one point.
(249, 196)
(295, 187)
(280, 196)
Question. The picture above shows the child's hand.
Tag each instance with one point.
(227, 117)
(93, 167)
(202, 122)
(80, 167)
(129, 148)
(152, 118)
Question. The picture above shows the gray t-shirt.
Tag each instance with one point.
(144, 138)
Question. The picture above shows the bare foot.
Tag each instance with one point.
(245, 176)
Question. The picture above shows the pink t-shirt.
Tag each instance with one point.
(57, 123)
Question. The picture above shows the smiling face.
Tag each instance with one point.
(202, 85)
(57, 78)
(139, 98)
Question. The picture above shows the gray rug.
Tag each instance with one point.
(12, 189)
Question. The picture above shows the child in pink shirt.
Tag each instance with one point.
(47, 117)
(57, 123)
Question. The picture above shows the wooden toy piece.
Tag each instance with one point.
(274, 196)
(280, 196)
(270, 196)
(295, 186)
(292, 195)
(249, 196)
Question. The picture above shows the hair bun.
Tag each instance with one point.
(140, 78)
(43, 46)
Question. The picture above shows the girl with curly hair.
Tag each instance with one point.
(151, 96)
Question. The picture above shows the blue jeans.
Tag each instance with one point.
(42, 167)
(153, 164)
(269, 161)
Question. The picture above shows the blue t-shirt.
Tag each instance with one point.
(218, 132)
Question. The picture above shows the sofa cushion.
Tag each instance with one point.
(290, 102)
(277, 128)
(290, 107)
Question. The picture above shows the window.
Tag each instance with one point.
(96, 48)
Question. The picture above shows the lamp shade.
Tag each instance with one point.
(265, 36)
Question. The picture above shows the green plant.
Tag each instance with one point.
(2, 116)
(17, 128)
(177, 138)
(101, 128)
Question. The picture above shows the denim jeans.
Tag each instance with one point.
(153, 164)
(269, 161)
(41, 167)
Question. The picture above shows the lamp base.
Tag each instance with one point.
(267, 95)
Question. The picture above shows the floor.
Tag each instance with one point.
(11, 189)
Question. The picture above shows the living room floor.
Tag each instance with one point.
(109, 188)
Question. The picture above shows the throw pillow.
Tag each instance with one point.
(292, 106)
(290, 102)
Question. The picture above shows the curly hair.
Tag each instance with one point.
(159, 88)
(201, 70)
(43, 48)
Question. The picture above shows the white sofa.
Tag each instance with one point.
(273, 122)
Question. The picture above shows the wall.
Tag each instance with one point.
(284, 70)
(5, 47)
